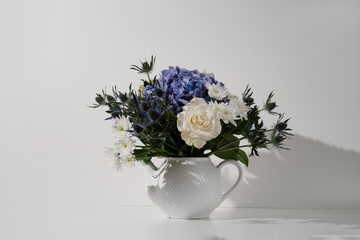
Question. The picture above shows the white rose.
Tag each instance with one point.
(198, 123)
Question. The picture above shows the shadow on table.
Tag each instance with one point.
(349, 218)
(215, 238)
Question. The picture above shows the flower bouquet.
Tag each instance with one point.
(185, 117)
(185, 113)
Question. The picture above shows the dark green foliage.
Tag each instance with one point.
(280, 132)
(146, 67)
(269, 105)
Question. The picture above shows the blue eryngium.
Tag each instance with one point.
(154, 115)
(158, 92)
(144, 106)
(138, 128)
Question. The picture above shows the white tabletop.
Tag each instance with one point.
(113, 222)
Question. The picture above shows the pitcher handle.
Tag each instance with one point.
(237, 165)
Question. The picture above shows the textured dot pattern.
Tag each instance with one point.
(187, 189)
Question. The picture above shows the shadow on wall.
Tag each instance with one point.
(310, 175)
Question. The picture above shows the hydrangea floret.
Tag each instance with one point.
(183, 113)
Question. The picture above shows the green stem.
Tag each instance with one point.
(269, 130)
(173, 142)
(230, 143)
(148, 75)
(225, 150)
(242, 146)
(217, 151)
(225, 136)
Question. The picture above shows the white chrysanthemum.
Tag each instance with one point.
(128, 160)
(232, 96)
(113, 158)
(121, 127)
(198, 122)
(240, 107)
(208, 74)
(216, 91)
(227, 113)
(125, 146)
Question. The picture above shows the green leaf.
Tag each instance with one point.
(232, 154)
(242, 157)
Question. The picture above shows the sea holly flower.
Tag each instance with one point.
(216, 91)
(198, 123)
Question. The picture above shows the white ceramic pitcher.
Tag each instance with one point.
(188, 187)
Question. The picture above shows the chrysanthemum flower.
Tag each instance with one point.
(240, 107)
(227, 113)
(121, 127)
(125, 146)
(113, 158)
(128, 160)
(216, 91)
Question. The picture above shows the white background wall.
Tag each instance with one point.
(54, 56)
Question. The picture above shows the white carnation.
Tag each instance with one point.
(198, 123)
(239, 107)
(216, 91)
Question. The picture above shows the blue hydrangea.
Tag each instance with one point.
(182, 85)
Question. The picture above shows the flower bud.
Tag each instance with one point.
(249, 100)
(110, 98)
(138, 128)
(115, 114)
(133, 102)
(270, 106)
(278, 139)
(158, 92)
(123, 97)
(281, 126)
(144, 106)
(154, 115)
(100, 100)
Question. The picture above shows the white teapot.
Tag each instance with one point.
(188, 187)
